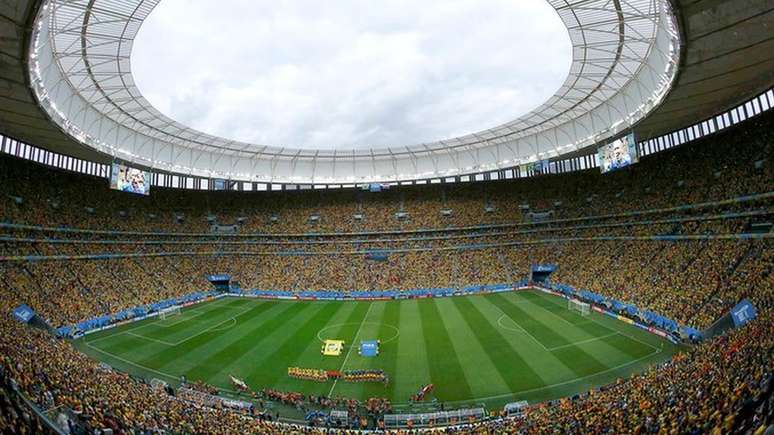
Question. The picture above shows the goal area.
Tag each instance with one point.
(579, 307)
(169, 312)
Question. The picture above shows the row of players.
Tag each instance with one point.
(714, 168)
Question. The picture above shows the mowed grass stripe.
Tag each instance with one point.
(630, 347)
(274, 366)
(200, 354)
(483, 377)
(242, 341)
(169, 355)
(179, 328)
(558, 306)
(387, 359)
(520, 311)
(620, 343)
(339, 326)
(117, 344)
(551, 369)
(127, 346)
(412, 369)
(112, 332)
(565, 330)
(575, 358)
(512, 367)
(445, 369)
(369, 330)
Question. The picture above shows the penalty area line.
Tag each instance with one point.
(522, 329)
(601, 337)
(559, 384)
(627, 335)
(166, 343)
(216, 327)
(110, 355)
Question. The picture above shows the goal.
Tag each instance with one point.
(581, 308)
(158, 384)
(169, 312)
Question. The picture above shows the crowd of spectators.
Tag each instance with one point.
(15, 415)
(732, 163)
(720, 386)
(374, 407)
(201, 387)
(691, 281)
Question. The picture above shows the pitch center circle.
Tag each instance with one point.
(340, 325)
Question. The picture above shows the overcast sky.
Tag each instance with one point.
(349, 73)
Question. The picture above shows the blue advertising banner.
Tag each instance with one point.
(743, 312)
(543, 268)
(377, 255)
(23, 313)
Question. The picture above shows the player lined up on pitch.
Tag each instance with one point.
(318, 375)
(366, 376)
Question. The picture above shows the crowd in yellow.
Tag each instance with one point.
(718, 386)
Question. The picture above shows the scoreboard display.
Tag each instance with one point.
(128, 179)
(618, 154)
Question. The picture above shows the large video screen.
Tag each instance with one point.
(539, 167)
(128, 179)
(618, 154)
(218, 184)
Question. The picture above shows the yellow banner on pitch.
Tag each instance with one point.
(333, 347)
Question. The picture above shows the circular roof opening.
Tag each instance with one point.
(624, 60)
(349, 74)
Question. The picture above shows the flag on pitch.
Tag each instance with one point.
(238, 383)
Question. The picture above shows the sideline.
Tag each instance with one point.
(559, 384)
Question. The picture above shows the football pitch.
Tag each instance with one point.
(486, 349)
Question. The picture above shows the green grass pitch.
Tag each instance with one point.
(487, 349)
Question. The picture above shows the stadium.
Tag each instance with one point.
(600, 261)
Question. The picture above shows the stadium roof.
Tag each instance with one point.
(624, 57)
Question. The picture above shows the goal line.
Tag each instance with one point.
(169, 312)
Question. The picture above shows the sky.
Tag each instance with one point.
(344, 74)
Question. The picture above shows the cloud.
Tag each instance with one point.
(349, 74)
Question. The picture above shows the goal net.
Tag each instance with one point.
(581, 308)
(158, 384)
(169, 312)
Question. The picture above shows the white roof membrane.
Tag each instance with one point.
(625, 56)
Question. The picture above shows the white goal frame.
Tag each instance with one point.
(169, 312)
(581, 307)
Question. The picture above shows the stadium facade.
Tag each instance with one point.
(624, 62)
(665, 254)
(652, 65)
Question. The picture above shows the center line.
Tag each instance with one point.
(352, 346)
